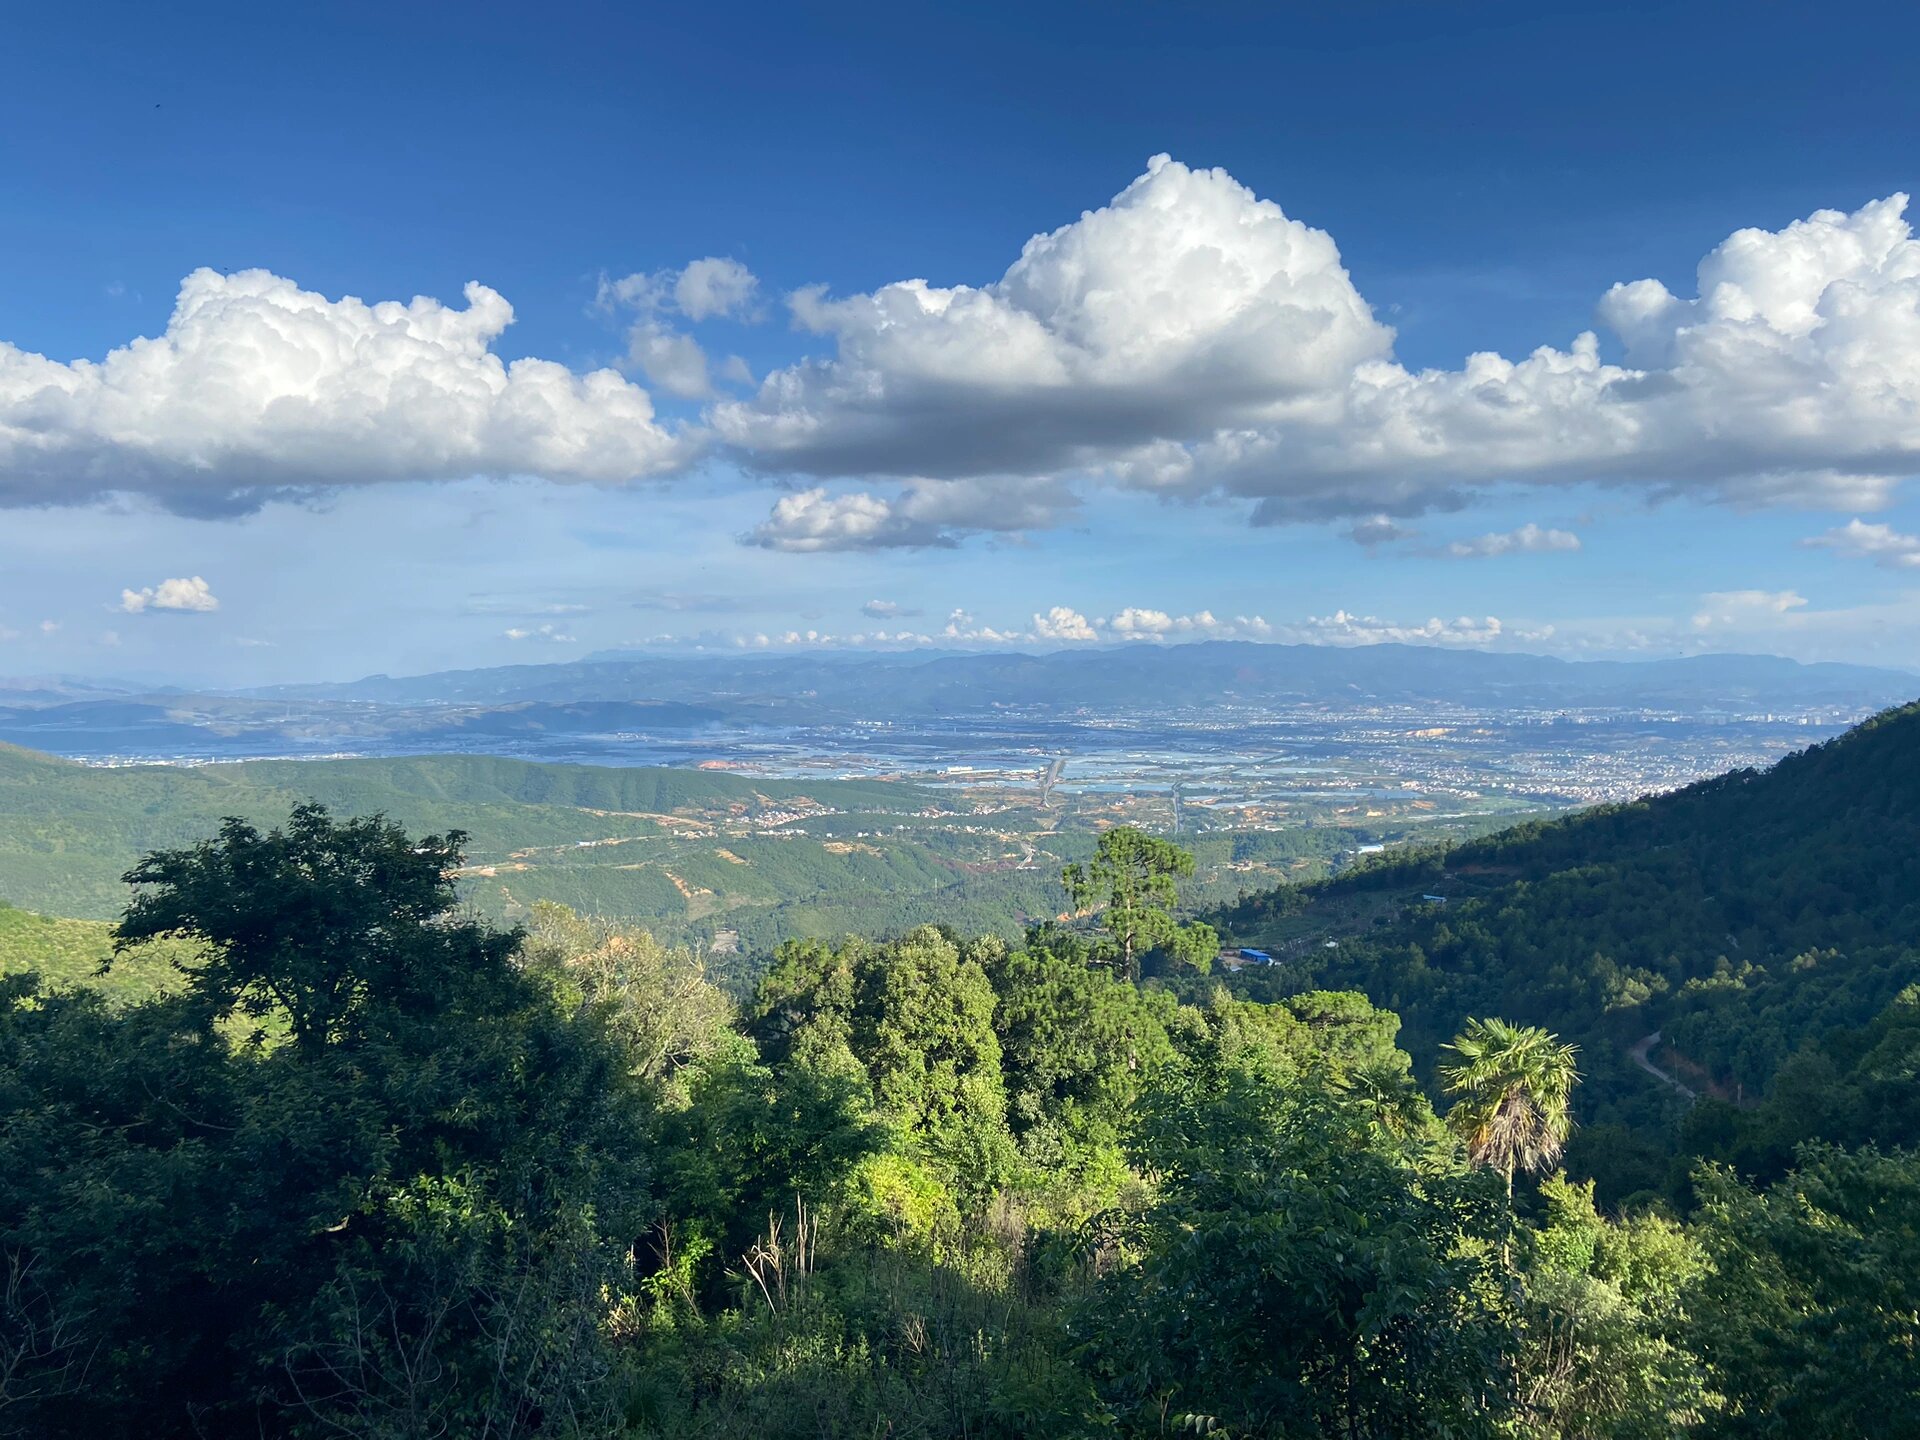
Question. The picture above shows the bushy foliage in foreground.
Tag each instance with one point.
(372, 1168)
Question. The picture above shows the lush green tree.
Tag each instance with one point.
(916, 1016)
(1302, 1273)
(1077, 1044)
(751, 1141)
(1807, 1316)
(1601, 1357)
(1513, 1086)
(1132, 884)
(334, 928)
(658, 1000)
(365, 1174)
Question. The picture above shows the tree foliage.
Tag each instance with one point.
(375, 1168)
(1132, 885)
(1514, 1088)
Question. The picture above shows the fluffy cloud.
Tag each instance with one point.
(1743, 609)
(1793, 377)
(887, 610)
(704, 290)
(1062, 623)
(1184, 304)
(707, 289)
(190, 595)
(1135, 623)
(672, 360)
(714, 286)
(813, 520)
(1881, 544)
(925, 514)
(1529, 539)
(551, 634)
(1190, 338)
(258, 387)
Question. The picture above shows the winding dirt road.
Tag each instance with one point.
(1639, 1054)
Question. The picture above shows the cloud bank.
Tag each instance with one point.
(258, 387)
(1063, 626)
(1191, 339)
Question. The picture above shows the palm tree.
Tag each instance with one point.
(1514, 1084)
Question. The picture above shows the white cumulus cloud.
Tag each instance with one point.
(1140, 623)
(1881, 544)
(1064, 623)
(257, 387)
(550, 633)
(1344, 628)
(1185, 302)
(812, 520)
(1190, 338)
(191, 595)
(1529, 539)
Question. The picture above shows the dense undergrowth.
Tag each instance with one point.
(375, 1168)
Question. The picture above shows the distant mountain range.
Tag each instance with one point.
(612, 694)
(1212, 672)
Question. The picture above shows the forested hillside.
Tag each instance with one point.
(372, 1167)
(1749, 919)
(688, 852)
(723, 861)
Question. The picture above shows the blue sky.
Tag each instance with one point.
(1237, 400)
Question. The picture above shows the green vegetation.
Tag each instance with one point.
(1515, 1087)
(374, 1167)
(74, 830)
(1132, 883)
(698, 857)
(1753, 937)
(74, 953)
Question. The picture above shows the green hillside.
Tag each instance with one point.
(71, 831)
(705, 857)
(1746, 918)
(69, 953)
